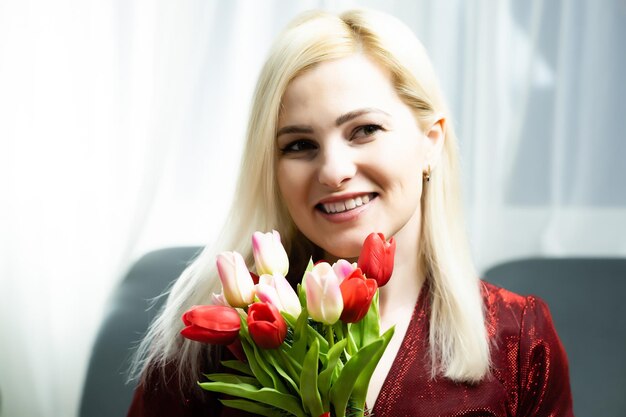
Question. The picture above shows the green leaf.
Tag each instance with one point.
(253, 407)
(261, 356)
(359, 392)
(342, 388)
(298, 348)
(267, 396)
(308, 382)
(301, 294)
(301, 286)
(274, 359)
(291, 320)
(234, 379)
(244, 368)
(258, 362)
(293, 366)
(259, 372)
(325, 377)
(310, 265)
(314, 334)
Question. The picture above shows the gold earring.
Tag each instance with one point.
(427, 174)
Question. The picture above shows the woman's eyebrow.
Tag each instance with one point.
(340, 120)
(356, 113)
(294, 129)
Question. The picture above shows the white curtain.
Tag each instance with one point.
(121, 126)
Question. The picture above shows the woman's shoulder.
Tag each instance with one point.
(527, 355)
(508, 313)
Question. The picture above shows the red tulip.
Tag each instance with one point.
(266, 326)
(357, 292)
(217, 325)
(376, 258)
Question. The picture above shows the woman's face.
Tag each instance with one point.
(352, 156)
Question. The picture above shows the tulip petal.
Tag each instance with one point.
(324, 300)
(266, 326)
(211, 324)
(269, 254)
(237, 283)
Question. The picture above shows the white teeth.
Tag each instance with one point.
(348, 204)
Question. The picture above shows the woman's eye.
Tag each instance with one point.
(298, 146)
(365, 131)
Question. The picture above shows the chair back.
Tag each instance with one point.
(106, 392)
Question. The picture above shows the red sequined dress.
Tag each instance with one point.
(529, 372)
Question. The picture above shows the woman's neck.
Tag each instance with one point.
(400, 294)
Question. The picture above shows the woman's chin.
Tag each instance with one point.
(348, 251)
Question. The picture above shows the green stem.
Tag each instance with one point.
(330, 336)
(351, 346)
(339, 330)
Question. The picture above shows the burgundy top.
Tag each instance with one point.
(529, 372)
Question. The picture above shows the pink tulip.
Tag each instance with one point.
(269, 254)
(323, 295)
(343, 269)
(218, 299)
(236, 280)
(275, 289)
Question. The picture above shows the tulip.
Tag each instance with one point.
(236, 280)
(218, 299)
(376, 258)
(343, 269)
(357, 292)
(275, 289)
(218, 325)
(269, 254)
(323, 296)
(267, 327)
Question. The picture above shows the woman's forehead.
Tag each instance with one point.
(338, 86)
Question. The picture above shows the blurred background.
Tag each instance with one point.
(121, 126)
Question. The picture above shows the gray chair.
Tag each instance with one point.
(106, 393)
(586, 299)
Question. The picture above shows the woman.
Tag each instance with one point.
(349, 135)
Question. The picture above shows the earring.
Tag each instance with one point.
(427, 174)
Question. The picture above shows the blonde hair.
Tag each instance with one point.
(458, 339)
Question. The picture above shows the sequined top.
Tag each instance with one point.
(529, 374)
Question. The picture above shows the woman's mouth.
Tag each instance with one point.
(346, 205)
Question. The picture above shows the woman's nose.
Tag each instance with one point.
(337, 166)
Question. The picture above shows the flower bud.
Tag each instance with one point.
(275, 289)
(236, 280)
(323, 296)
(376, 258)
(357, 292)
(267, 327)
(269, 254)
(218, 325)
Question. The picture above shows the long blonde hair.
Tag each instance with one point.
(458, 340)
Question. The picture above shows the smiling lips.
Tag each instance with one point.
(347, 204)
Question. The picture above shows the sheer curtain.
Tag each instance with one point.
(121, 125)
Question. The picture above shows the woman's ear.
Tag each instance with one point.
(435, 136)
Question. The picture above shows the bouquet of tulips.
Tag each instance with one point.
(305, 352)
